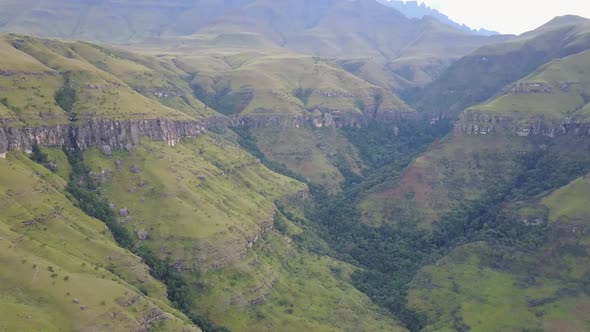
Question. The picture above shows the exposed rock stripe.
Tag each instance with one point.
(125, 134)
(479, 123)
(117, 134)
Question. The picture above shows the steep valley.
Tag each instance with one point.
(290, 166)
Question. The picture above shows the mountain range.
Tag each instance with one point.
(412, 9)
(254, 165)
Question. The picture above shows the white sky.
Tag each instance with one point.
(508, 16)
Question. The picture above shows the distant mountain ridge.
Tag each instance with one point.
(414, 10)
(480, 75)
(393, 51)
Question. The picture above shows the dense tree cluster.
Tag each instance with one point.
(392, 254)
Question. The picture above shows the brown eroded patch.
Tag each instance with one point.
(560, 325)
(417, 179)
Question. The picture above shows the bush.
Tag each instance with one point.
(39, 156)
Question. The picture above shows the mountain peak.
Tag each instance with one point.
(567, 20)
(415, 9)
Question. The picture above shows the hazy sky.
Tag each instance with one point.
(508, 16)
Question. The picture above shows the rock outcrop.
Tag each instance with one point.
(480, 123)
(112, 135)
(107, 134)
(318, 119)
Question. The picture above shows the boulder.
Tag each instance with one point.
(124, 212)
(106, 150)
(51, 165)
(142, 235)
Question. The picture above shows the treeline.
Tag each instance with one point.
(89, 199)
(392, 254)
(381, 144)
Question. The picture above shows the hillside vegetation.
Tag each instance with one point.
(281, 183)
(554, 92)
(63, 270)
(47, 82)
(275, 85)
(360, 30)
(483, 73)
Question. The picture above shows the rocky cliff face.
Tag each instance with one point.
(319, 119)
(106, 134)
(479, 123)
(110, 135)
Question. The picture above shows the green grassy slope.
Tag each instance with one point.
(208, 207)
(416, 49)
(36, 71)
(153, 77)
(319, 155)
(255, 84)
(280, 286)
(480, 75)
(362, 31)
(205, 205)
(62, 270)
(555, 91)
(199, 201)
(451, 171)
(545, 289)
(110, 21)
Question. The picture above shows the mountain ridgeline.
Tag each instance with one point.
(414, 10)
(253, 165)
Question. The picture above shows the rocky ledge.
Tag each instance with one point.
(106, 134)
(480, 123)
(110, 135)
(318, 119)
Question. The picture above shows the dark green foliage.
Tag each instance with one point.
(178, 290)
(39, 156)
(66, 97)
(310, 238)
(379, 145)
(86, 191)
(4, 101)
(280, 224)
(89, 198)
(548, 170)
(392, 255)
(474, 80)
(225, 101)
(303, 94)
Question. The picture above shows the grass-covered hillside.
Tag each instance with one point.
(62, 270)
(208, 208)
(483, 73)
(416, 49)
(451, 171)
(201, 203)
(555, 92)
(288, 85)
(322, 156)
(47, 82)
(202, 214)
(543, 288)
